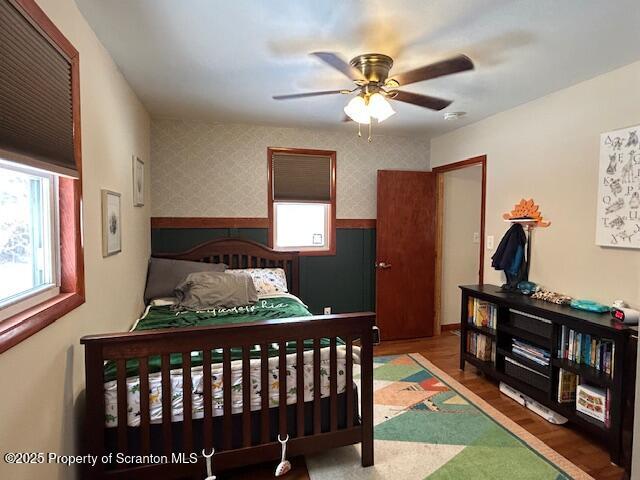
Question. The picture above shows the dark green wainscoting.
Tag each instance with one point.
(345, 282)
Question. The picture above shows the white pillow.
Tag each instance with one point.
(266, 280)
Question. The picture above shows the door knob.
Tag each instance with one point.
(382, 265)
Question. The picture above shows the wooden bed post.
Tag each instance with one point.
(366, 385)
(295, 276)
(94, 408)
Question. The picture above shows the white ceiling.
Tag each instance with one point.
(221, 61)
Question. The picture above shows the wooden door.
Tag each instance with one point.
(405, 254)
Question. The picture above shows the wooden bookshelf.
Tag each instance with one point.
(484, 365)
(489, 332)
(590, 374)
(526, 335)
(539, 323)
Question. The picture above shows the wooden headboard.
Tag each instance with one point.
(240, 253)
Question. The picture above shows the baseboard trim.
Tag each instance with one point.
(449, 327)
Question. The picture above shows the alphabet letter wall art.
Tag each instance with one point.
(618, 222)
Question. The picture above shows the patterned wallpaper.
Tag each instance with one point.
(220, 170)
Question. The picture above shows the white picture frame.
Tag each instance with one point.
(618, 205)
(138, 181)
(111, 223)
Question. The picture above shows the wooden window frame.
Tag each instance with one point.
(332, 214)
(17, 328)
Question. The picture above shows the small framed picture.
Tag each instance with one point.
(111, 225)
(138, 182)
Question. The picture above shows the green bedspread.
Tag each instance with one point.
(167, 317)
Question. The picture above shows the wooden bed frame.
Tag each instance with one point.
(120, 347)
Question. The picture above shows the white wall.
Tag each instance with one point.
(462, 198)
(216, 170)
(43, 376)
(635, 453)
(548, 150)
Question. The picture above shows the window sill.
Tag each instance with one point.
(24, 324)
(310, 253)
(317, 253)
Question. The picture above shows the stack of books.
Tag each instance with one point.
(587, 350)
(481, 313)
(481, 346)
(535, 354)
(567, 383)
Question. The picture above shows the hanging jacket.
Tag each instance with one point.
(509, 255)
(518, 258)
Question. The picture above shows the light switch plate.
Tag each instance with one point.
(476, 237)
(489, 242)
(327, 310)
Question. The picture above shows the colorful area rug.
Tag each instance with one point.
(429, 426)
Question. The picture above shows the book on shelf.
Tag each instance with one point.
(593, 401)
(481, 346)
(481, 313)
(567, 384)
(531, 352)
(585, 349)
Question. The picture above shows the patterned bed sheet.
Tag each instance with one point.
(217, 386)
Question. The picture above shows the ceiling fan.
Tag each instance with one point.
(374, 86)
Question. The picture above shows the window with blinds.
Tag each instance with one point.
(302, 200)
(36, 98)
(301, 178)
(40, 169)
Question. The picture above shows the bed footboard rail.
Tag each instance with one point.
(237, 441)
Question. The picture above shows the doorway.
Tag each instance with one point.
(460, 234)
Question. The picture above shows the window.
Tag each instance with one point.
(29, 241)
(301, 225)
(41, 253)
(302, 189)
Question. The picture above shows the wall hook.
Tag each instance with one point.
(527, 213)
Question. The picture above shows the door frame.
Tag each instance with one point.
(440, 171)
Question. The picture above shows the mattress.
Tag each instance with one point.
(217, 384)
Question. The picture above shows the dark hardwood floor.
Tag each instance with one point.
(588, 454)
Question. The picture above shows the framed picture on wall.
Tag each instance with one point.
(111, 223)
(618, 217)
(138, 182)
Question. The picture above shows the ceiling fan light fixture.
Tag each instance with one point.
(370, 73)
(357, 110)
(379, 107)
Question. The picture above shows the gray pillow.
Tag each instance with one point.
(205, 290)
(165, 273)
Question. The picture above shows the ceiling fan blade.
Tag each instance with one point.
(340, 64)
(434, 103)
(305, 95)
(456, 64)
